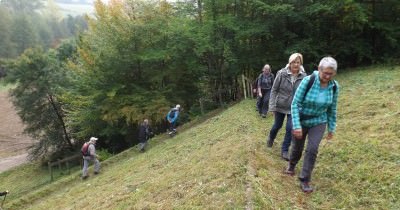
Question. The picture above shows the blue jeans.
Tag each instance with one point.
(278, 122)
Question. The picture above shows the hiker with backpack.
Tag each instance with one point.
(286, 82)
(145, 133)
(89, 155)
(172, 118)
(264, 85)
(314, 108)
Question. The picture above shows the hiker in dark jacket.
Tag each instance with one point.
(286, 82)
(145, 133)
(265, 82)
(312, 112)
(172, 118)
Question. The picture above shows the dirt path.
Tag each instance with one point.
(10, 162)
(13, 143)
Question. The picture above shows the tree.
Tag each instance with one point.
(6, 47)
(39, 78)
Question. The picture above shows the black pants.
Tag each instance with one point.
(264, 101)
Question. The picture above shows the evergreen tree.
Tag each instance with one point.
(39, 80)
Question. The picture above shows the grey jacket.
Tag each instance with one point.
(283, 90)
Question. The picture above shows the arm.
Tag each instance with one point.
(259, 80)
(332, 111)
(274, 90)
(298, 100)
(92, 150)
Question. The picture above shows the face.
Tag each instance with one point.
(294, 66)
(266, 70)
(326, 74)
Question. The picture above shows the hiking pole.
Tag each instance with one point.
(5, 195)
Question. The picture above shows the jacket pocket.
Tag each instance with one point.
(283, 101)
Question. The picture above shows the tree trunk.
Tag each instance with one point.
(60, 118)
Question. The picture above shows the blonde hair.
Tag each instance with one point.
(294, 56)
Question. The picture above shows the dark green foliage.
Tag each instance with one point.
(40, 79)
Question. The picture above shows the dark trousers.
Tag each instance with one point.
(278, 122)
(258, 103)
(172, 126)
(315, 135)
(263, 102)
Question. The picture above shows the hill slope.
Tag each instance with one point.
(223, 163)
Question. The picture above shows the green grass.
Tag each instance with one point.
(222, 163)
(4, 86)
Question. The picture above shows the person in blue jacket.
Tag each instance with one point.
(172, 117)
(314, 109)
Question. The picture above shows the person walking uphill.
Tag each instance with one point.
(172, 118)
(89, 154)
(265, 81)
(286, 82)
(145, 133)
(313, 108)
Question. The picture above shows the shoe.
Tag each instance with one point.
(84, 177)
(96, 172)
(285, 155)
(290, 170)
(263, 116)
(305, 186)
(270, 143)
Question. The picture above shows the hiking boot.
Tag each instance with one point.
(306, 187)
(96, 172)
(285, 155)
(263, 115)
(290, 170)
(84, 177)
(270, 143)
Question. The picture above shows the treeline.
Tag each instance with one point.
(28, 23)
(140, 57)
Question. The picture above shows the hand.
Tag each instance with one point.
(260, 94)
(329, 136)
(254, 90)
(298, 133)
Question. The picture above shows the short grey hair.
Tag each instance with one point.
(267, 66)
(328, 62)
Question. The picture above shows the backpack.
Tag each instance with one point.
(311, 82)
(172, 113)
(85, 149)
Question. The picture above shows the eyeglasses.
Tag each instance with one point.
(328, 74)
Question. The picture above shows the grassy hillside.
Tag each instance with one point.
(222, 163)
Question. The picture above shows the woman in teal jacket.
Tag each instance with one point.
(313, 109)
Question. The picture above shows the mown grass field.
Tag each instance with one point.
(222, 163)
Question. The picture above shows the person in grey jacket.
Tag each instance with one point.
(286, 82)
(264, 85)
(92, 156)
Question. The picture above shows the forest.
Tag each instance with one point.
(135, 59)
